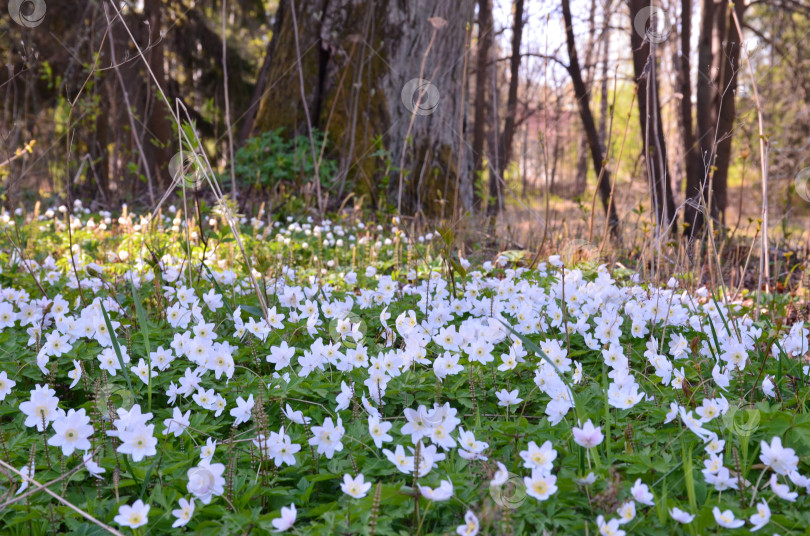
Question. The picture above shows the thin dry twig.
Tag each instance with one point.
(63, 501)
(48, 484)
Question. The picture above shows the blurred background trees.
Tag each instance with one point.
(434, 108)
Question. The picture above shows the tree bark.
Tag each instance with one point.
(485, 38)
(246, 129)
(418, 127)
(718, 62)
(581, 169)
(691, 152)
(504, 154)
(524, 175)
(493, 143)
(697, 185)
(583, 101)
(730, 57)
(159, 127)
(603, 88)
(581, 182)
(655, 152)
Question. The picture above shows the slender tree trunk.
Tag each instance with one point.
(508, 134)
(603, 87)
(583, 102)
(495, 188)
(581, 183)
(524, 156)
(99, 149)
(730, 57)
(581, 178)
(481, 73)
(691, 153)
(697, 184)
(555, 154)
(652, 130)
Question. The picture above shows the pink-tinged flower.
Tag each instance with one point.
(642, 494)
(286, 520)
(680, 516)
(588, 436)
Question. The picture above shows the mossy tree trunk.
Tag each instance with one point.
(357, 62)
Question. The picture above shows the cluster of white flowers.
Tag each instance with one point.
(318, 330)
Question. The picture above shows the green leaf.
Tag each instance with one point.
(116, 348)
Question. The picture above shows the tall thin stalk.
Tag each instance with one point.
(764, 265)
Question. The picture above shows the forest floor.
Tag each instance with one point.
(523, 217)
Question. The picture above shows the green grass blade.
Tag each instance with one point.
(116, 348)
(536, 349)
(145, 331)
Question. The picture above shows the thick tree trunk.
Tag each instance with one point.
(583, 101)
(652, 131)
(485, 38)
(417, 121)
(246, 128)
(718, 64)
(157, 148)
